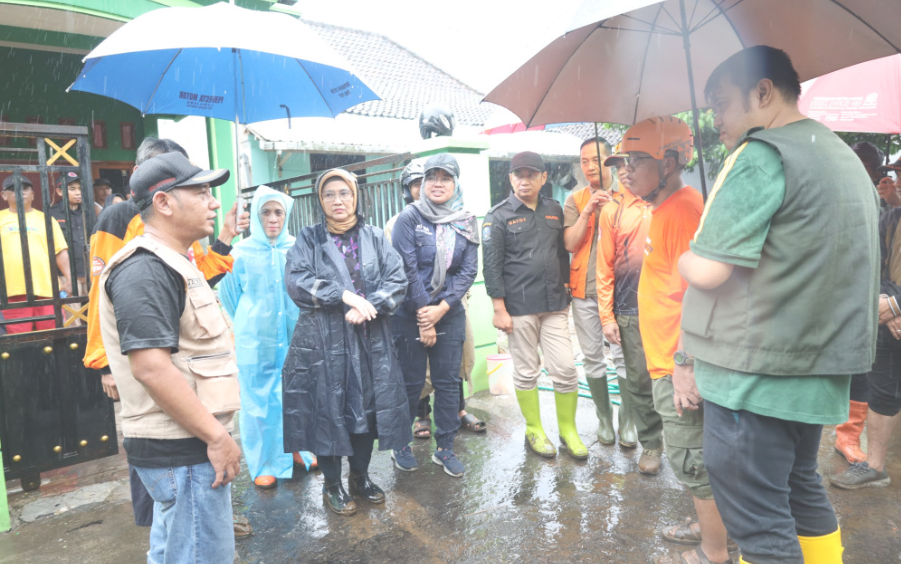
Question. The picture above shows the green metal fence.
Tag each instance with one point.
(379, 182)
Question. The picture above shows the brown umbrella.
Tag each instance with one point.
(622, 61)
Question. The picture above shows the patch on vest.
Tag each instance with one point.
(194, 283)
(97, 265)
(486, 233)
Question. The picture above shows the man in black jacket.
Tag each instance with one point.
(526, 268)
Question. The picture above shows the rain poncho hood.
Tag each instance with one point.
(254, 296)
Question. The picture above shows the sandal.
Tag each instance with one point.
(422, 428)
(689, 532)
(472, 423)
(695, 556)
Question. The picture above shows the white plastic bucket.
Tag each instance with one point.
(500, 374)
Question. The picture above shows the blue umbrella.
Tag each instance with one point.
(222, 61)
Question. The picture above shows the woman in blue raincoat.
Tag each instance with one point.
(254, 296)
(343, 387)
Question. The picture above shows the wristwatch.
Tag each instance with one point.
(682, 358)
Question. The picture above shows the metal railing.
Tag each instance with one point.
(381, 191)
(53, 144)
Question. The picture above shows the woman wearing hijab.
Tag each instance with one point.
(343, 387)
(438, 241)
(254, 296)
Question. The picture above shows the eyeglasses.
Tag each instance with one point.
(344, 195)
(439, 179)
(634, 162)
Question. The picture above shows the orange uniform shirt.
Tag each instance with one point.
(661, 287)
(622, 232)
(119, 225)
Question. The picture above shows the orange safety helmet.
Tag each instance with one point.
(657, 135)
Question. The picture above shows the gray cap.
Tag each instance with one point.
(445, 162)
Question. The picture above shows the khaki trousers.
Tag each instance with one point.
(551, 331)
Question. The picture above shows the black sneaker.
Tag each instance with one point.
(860, 475)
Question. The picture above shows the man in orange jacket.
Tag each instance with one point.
(581, 215)
(624, 224)
(117, 226)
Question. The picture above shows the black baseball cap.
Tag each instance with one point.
(527, 159)
(868, 152)
(167, 171)
(9, 183)
(445, 162)
(70, 178)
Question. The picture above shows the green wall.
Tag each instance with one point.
(264, 164)
(34, 84)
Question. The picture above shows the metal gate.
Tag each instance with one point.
(54, 411)
(379, 183)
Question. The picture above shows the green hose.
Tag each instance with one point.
(582, 394)
(584, 390)
(612, 383)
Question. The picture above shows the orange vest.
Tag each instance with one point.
(578, 266)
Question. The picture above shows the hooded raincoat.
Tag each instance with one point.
(329, 358)
(254, 296)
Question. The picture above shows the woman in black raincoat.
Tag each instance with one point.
(342, 384)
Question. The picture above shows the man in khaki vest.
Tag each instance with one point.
(176, 373)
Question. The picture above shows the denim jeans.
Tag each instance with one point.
(192, 522)
(764, 476)
(141, 502)
(443, 360)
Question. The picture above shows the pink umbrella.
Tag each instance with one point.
(517, 127)
(864, 98)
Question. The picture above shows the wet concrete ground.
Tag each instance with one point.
(510, 506)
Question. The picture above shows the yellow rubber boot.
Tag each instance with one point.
(741, 560)
(826, 549)
(566, 422)
(535, 437)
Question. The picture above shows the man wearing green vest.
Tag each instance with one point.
(781, 309)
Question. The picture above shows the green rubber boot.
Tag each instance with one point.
(601, 398)
(566, 421)
(628, 434)
(535, 437)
